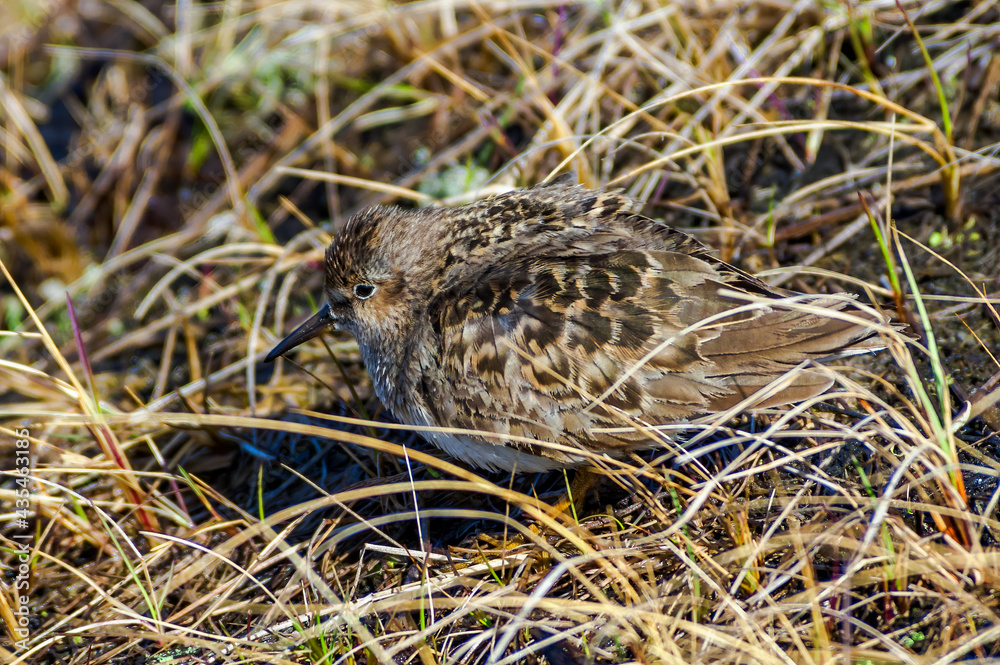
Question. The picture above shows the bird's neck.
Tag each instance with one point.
(394, 367)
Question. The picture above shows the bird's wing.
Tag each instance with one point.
(552, 348)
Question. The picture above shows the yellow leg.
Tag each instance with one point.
(585, 480)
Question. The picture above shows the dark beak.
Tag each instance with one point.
(315, 326)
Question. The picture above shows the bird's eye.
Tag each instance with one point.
(364, 291)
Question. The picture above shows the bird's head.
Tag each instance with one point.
(379, 269)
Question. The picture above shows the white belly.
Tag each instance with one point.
(494, 456)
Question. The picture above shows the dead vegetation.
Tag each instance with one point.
(168, 181)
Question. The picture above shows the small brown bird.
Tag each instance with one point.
(547, 323)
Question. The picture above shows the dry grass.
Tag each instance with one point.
(166, 178)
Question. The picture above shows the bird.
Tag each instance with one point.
(544, 327)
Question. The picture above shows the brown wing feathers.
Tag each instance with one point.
(577, 323)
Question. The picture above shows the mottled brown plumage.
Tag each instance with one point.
(545, 315)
